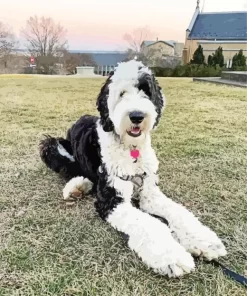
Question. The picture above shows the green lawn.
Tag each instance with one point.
(48, 248)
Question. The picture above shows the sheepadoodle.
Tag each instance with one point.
(112, 156)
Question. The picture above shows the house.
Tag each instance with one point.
(162, 53)
(214, 29)
(161, 48)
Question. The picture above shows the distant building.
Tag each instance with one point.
(162, 53)
(160, 48)
(214, 29)
(105, 61)
(108, 58)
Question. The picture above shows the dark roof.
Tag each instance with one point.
(220, 26)
(147, 43)
(111, 59)
(105, 58)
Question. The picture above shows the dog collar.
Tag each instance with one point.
(137, 179)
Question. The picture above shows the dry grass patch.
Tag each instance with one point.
(47, 249)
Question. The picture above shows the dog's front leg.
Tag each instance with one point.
(76, 187)
(186, 228)
(148, 237)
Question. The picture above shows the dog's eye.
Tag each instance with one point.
(122, 93)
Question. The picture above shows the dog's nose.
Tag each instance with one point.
(136, 117)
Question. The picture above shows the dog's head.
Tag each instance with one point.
(130, 102)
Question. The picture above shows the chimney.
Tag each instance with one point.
(198, 4)
(157, 39)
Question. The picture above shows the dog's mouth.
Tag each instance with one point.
(135, 131)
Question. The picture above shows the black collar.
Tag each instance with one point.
(137, 179)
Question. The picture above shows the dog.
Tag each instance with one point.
(112, 156)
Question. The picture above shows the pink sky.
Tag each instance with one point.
(101, 24)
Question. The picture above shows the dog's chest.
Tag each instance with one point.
(120, 162)
(137, 189)
(135, 183)
(125, 173)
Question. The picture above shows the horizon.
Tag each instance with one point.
(97, 26)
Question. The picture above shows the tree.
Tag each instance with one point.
(198, 56)
(135, 40)
(239, 59)
(218, 57)
(7, 44)
(210, 60)
(72, 60)
(150, 56)
(46, 41)
(86, 59)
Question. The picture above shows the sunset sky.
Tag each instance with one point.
(100, 25)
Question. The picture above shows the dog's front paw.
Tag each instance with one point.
(165, 256)
(76, 187)
(204, 242)
(181, 262)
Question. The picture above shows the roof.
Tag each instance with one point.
(148, 43)
(220, 26)
(194, 17)
(111, 59)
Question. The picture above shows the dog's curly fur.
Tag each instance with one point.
(112, 156)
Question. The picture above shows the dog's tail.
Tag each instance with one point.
(57, 154)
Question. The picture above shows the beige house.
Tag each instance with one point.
(211, 30)
(161, 50)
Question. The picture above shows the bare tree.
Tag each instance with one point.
(72, 60)
(46, 41)
(152, 57)
(7, 44)
(136, 38)
(86, 59)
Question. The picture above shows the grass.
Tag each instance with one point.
(49, 249)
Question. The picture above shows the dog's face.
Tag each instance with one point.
(130, 102)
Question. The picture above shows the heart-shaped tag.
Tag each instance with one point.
(134, 153)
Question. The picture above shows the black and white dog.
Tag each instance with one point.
(112, 155)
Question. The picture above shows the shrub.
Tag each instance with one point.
(210, 60)
(189, 70)
(240, 68)
(239, 60)
(218, 57)
(198, 56)
(162, 72)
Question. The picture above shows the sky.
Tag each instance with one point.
(101, 24)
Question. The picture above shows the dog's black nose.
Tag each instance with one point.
(136, 117)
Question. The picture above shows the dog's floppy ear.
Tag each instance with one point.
(150, 86)
(103, 107)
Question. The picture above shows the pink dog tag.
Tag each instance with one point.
(134, 153)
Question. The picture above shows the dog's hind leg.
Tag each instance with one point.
(57, 154)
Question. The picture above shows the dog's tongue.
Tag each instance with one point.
(135, 130)
(134, 153)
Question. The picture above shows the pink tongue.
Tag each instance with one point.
(134, 153)
(136, 130)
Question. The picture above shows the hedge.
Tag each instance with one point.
(193, 70)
